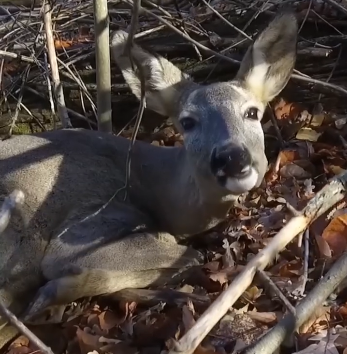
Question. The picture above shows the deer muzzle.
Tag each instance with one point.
(234, 168)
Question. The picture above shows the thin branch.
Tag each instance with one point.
(306, 256)
(127, 51)
(296, 74)
(20, 98)
(57, 85)
(5, 313)
(328, 196)
(273, 288)
(133, 27)
(287, 325)
(6, 54)
(188, 38)
(310, 80)
(275, 125)
(337, 6)
(49, 90)
(226, 21)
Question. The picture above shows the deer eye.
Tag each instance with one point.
(252, 113)
(188, 123)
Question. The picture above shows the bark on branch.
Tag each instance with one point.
(328, 196)
(289, 323)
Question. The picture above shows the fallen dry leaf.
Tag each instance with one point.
(108, 320)
(287, 156)
(317, 321)
(335, 234)
(323, 247)
(87, 342)
(252, 293)
(294, 170)
(263, 317)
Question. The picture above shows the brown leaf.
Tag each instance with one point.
(252, 293)
(317, 321)
(188, 322)
(87, 342)
(108, 320)
(21, 349)
(93, 319)
(293, 170)
(323, 247)
(291, 269)
(263, 317)
(119, 348)
(212, 266)
(187, 317)
(335, 234)
(224, 275)
(286, 111)
(202, 350)
(287, 156)
(158, 327)
(21, 340)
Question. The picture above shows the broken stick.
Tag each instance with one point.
(327, 197)
(15, 322)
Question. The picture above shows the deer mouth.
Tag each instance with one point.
(237, 183)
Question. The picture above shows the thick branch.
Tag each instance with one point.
(328, 196)
(103, 65)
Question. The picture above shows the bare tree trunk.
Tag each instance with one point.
(103, 70)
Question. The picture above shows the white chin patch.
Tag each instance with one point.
(242, 185)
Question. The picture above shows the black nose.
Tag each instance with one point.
(234, 161)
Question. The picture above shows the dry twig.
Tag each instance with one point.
(328, 196)
(273, 289)
(57, 86)
(273, 339)
(127, 51)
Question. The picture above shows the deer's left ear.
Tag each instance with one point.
(165, 83)
(266, 68)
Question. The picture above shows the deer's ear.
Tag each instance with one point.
(165, 84)
(269, 62)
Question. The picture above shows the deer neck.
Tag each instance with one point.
(181, 200)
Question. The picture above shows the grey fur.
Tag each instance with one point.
(48, 256)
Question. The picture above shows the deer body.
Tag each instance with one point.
(73, 238)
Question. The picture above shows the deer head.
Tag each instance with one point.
(220, 122)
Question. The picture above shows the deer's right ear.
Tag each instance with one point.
(165, 84)
(267, 66)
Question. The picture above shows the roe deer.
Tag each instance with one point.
(55, 251)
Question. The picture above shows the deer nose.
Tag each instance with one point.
(235, 162)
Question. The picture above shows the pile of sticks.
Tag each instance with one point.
(205, 38)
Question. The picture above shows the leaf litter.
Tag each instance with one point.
(108, 326)
(309, 158)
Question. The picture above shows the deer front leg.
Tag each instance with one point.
(137, 261)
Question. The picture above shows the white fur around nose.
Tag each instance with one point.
(242, 185)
